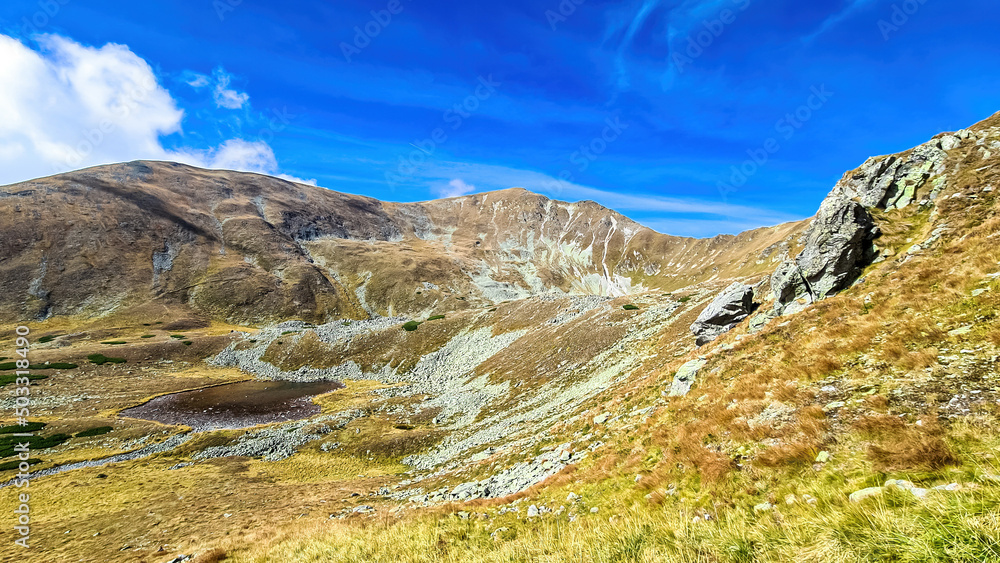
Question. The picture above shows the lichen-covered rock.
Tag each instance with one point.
(684, 378)
(891, 182)
(791, 291)
(837, 241)
(838, 245)
(726, 311)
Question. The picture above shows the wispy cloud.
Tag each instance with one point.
(670, 214)
(195, 80)
(833, 19)
(455, 188)
(634, 26)
(226, 97)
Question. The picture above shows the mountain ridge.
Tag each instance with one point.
(185, 231)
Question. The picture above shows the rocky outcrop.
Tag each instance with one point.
(838, 245)
(725, 312)
(891, 182)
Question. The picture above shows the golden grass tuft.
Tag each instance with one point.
(214, 555)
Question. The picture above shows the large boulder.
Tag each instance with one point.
(838, 246)
(724, 312)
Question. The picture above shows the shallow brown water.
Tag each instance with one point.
(235, 405)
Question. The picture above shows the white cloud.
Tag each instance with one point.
(195, 80)
(455, 188)
(224, 96)
(67, 106)
(835, 18)
(689, 217)
(238, 154)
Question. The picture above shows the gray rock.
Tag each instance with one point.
(838, 244)
(892, 181)
(791, 291)
(870, 492)
(726, 311)
(758, 322)
(532, 511)
(685, 376)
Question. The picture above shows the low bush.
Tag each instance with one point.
(101, 359)
(93, 432)
(8, 442)
(16, 428)
(11, 377)
(8, 465)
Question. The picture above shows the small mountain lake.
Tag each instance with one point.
(235, 405)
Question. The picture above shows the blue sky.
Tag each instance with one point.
(649, 107)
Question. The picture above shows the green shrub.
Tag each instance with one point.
(287, 332)
(93, 432)
(178, 336)
(435, 318)
(8, 442)
(56, 365)
(187, 343)
(114, 342)
(8, 465)
(147, 336)
(101, 359)
(411, 326)
(630, 307)
(684, 299)
(48, 338)
(11, 378)
(17, 428)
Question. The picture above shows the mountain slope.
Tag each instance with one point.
(853, 416)
(250, 248)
